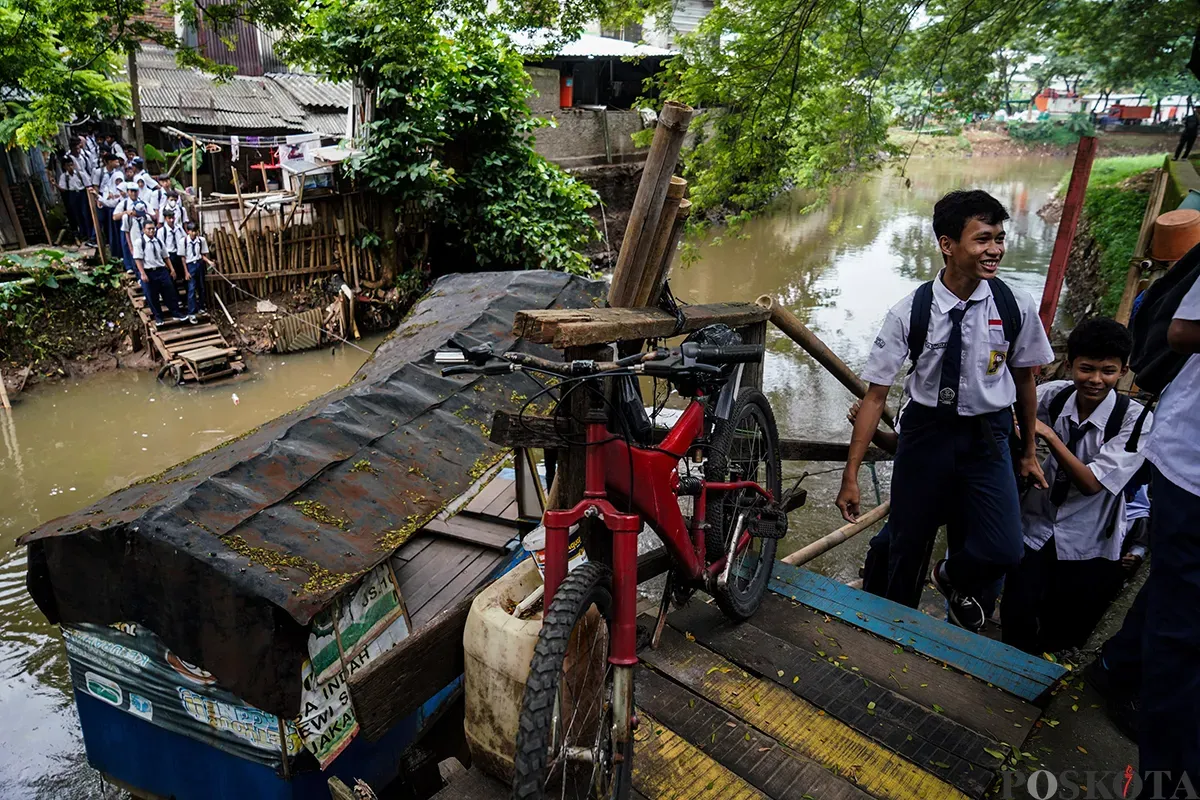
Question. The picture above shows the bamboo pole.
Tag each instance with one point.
(648, 203)
(800, 333)
(848, 531)
(195, 170)
(4, 390)
(10, 207)
(664, 239)
(645, 289)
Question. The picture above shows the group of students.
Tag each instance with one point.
(1054, 538)
(143, 222)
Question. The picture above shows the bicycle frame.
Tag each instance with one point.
(653, 494)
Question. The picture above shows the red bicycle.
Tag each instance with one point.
(577, 717)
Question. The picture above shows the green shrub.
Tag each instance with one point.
(1058, 134)
(1114, 220)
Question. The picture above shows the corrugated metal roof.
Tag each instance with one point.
(312, 91)
(185, 96)
(328, 123)
(586, 46)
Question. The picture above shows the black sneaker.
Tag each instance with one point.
(1120, 703)
(965, 611)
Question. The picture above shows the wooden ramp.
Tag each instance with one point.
(191, 353)
(827, 692)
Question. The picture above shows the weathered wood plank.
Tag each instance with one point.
(474, 530)
(668, 767)
(758, 759)
(512, 430)
(996, 663)
(973, 703)
(793, 721)
(487, 494)
(941, 746)
(565, 328)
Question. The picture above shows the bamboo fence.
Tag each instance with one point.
(265, 252)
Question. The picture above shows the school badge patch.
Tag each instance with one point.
(996, 361)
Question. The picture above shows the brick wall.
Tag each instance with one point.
(158, 16)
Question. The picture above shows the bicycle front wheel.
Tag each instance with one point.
(574, 739)
(744, 447)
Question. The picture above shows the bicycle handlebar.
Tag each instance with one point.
(725, 354)
(690, 357)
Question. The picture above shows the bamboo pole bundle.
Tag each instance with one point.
(650, 286)
(647, 207)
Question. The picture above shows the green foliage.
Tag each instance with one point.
(45, 317)
(1056, 133)
(1114, 221)
(452, 132)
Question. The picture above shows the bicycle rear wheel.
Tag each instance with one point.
(571, 722)
(744, 447)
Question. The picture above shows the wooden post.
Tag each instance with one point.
(139, 135)
(1084, 155)
(4, 395)
(832, 540)
(196, 170)
(650, 286)
(9, 206)
(37, 204)
(91, 201)
(798, 332)
(1138, 262)
(648, 203)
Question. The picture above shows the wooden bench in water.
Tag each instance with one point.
(827, 692)
(193, 353)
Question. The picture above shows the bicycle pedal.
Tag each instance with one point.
(771, 524)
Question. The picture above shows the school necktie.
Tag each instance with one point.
(952, 361)
(1062, 481)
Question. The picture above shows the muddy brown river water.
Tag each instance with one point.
(839, 268)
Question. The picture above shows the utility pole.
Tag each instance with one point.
(138, 134)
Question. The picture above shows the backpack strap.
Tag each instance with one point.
(1010, 312)
(1058, 402)
(918, 321)
(1117, 417)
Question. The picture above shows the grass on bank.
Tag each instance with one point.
(1114, 217)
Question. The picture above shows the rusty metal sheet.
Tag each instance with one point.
(227, 557)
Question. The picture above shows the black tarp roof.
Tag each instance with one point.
(227, 557)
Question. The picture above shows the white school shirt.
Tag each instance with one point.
(150, 250)
(153, 199)
(1080, 524)
(985, 384)
(110, 191)
(84, 166)
(194, 248)
(117, 151)
(180, 212)
(1173, 444)
(172, 239)
(71, 182)
(128, 218)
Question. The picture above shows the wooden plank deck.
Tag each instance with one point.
(199, 353)
(834, 694)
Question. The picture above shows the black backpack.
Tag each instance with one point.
(922, 305)
(1153, 361)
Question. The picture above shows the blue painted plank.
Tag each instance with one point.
(994, 662)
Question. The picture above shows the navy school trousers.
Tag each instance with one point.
(1170, 617)
(945, 461)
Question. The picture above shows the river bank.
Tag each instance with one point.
(991, 142)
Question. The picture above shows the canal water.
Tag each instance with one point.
(838, 268)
